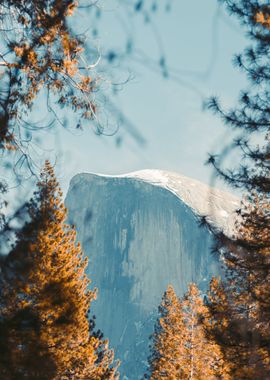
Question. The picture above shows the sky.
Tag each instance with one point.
(198, 40)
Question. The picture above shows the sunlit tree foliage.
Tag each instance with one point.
(247, 253)
(45, 299)
(181, 348)
(40, 52)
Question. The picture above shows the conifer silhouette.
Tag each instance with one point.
(247, 254)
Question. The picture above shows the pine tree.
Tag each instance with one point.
(164, 361)
(181, 347)
(240, 306)
(229, 328)
(254, 262)
(249, 286)
(201, 357)
(247, 254)
(45, 298)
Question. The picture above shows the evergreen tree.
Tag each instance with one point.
(234, 328)
(181, 348)
(201, 357)
(247, 254)
(240, 305)
(164, 361)
(44, 330)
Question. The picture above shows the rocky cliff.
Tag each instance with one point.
(141, 233)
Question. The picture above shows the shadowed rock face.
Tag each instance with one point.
(139, 236)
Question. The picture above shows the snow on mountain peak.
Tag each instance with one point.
(216, 205)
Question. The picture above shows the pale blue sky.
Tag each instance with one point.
(199, 41)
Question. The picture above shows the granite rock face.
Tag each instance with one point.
(141, 233)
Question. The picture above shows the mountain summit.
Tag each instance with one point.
(140, 231)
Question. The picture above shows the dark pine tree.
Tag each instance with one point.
(246, 340)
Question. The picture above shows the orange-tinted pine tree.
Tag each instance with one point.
(250, 285)
(223, 327)
(164, 362)
(247, 254)
(45, 332)
(241, 306)
(253, 232)
(201, 357)
(181, 347)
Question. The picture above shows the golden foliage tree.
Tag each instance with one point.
(164, 361)
(40, 52)
(249, 285)
(45, 332)
(181, 348)
(247, 254)
(240, 306)
(202, 357)
(253, 261)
